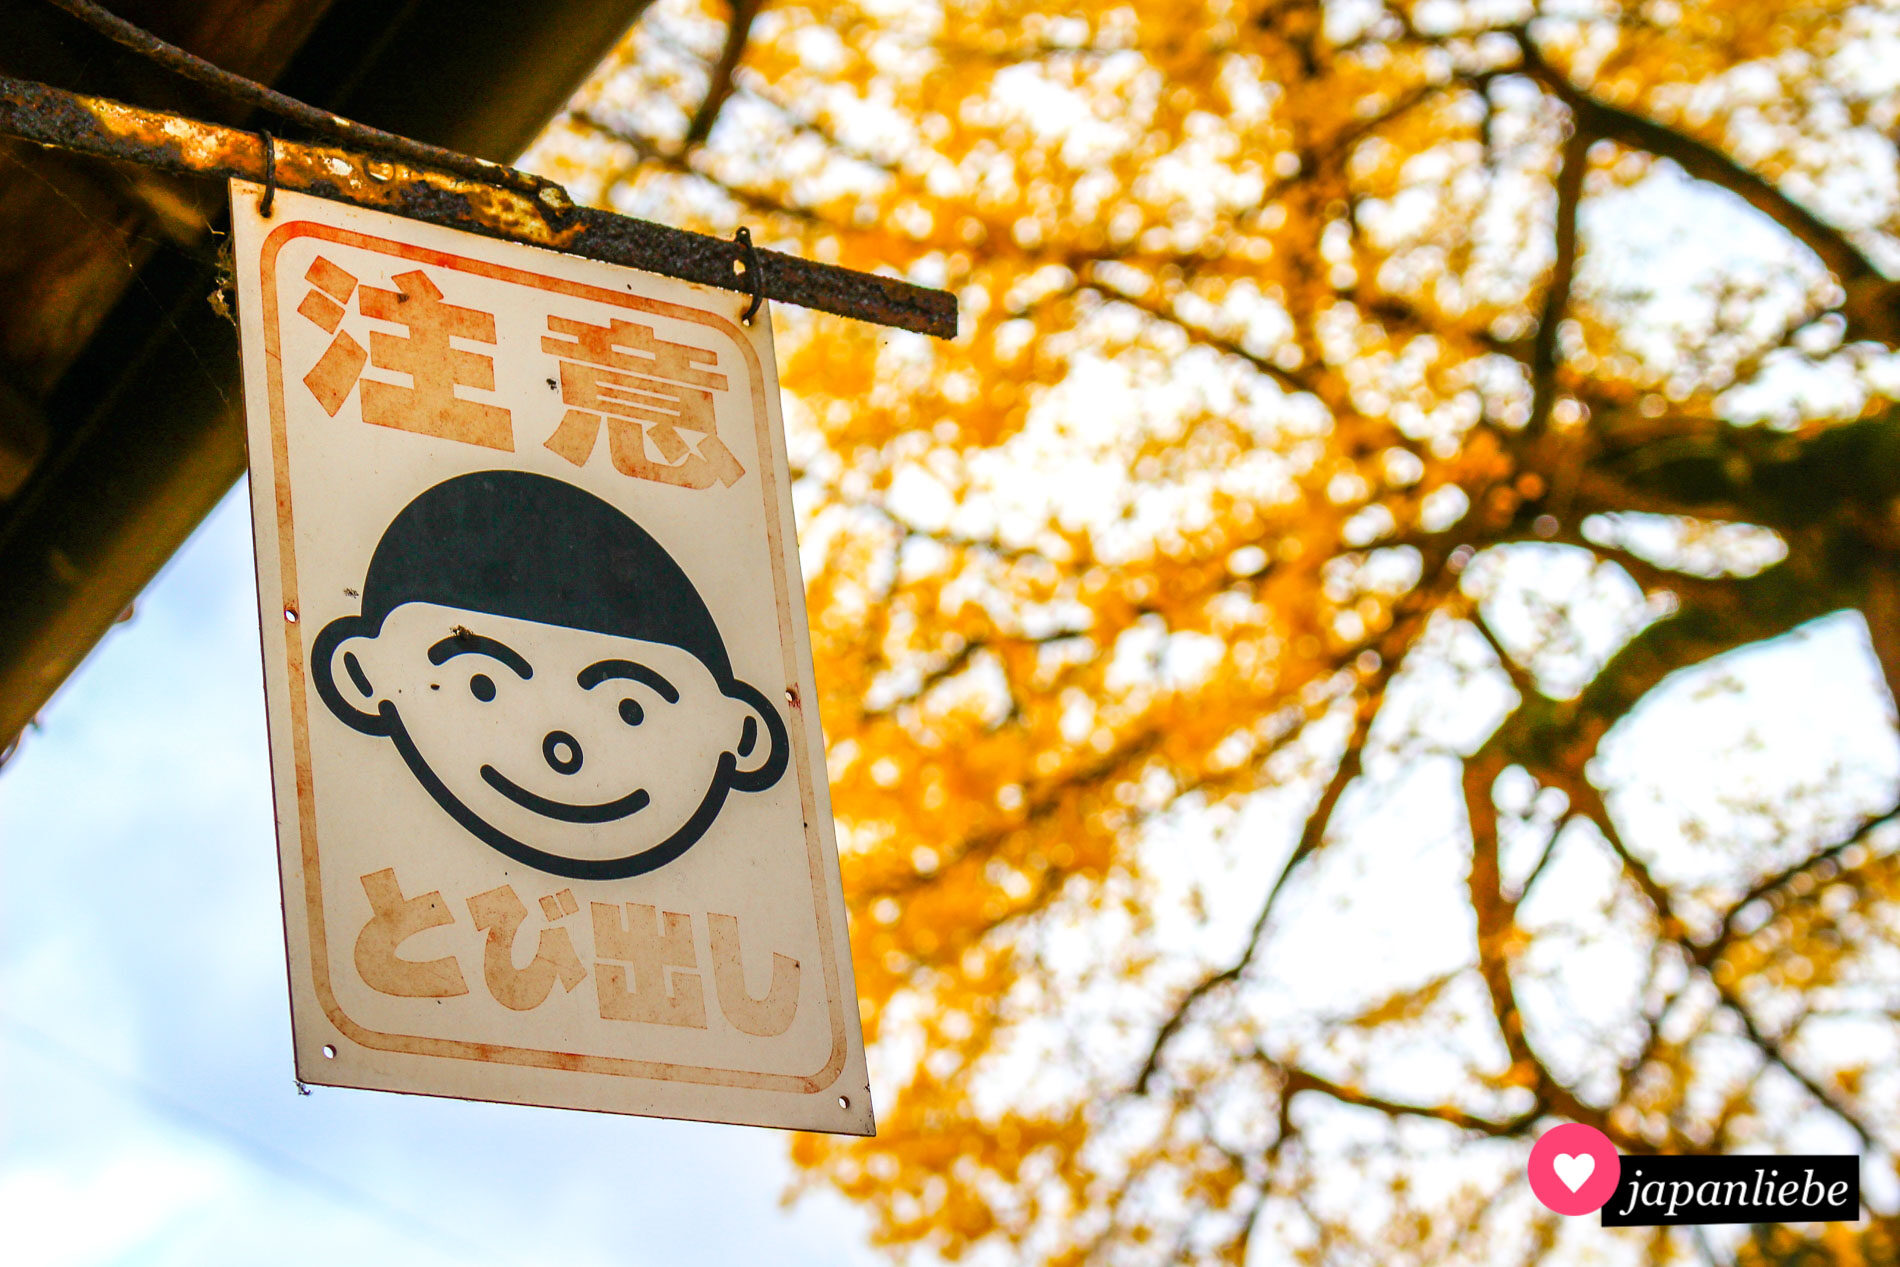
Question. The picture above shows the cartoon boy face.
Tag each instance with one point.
(549, 676)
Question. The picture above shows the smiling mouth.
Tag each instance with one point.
(632, 803)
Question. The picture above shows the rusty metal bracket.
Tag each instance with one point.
(190, 147)
(320, 122)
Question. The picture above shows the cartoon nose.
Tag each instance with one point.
(563, 751)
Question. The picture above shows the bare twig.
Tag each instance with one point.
(1296, 1080)
(1397, 642)
(1287, 381)
(1727, 930)
(719, 85)
(1544, 352)
(1772, 1048)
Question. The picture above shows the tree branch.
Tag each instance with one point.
(1408, 620)
(1041, 803)
(1287, 381)
(960, 659)
(1525, 685)
(1294, 1081)
(1772, 1049)
(1708, 623)
(719, 85)
(1854, 270)
(1544, 352)
(1725, 934)
(1495, 915)
(1586, 800)
(648, 150)
(1311, 836)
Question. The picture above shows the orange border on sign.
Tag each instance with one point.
(497, 1053)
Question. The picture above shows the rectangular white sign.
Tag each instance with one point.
(552, 808)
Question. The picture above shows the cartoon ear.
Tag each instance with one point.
(763, 748)
(336, 664)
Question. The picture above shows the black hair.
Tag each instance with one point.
(517, 544)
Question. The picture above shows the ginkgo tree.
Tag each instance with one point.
(1378, 636)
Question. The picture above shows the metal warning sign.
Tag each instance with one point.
(551, 800)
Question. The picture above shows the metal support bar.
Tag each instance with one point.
(190, 147)
(320, 122)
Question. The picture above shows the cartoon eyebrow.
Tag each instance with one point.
(594, 674)
(465, 643)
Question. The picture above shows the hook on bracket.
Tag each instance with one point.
(270, 175)
(753, 270)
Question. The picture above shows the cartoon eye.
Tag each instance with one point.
(631, 712)
(482, 687)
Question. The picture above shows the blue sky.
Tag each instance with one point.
(148, 1113)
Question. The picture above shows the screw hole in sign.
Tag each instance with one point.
(329, 1052)
(738, 268)
(844, 1102)
(290, 614)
